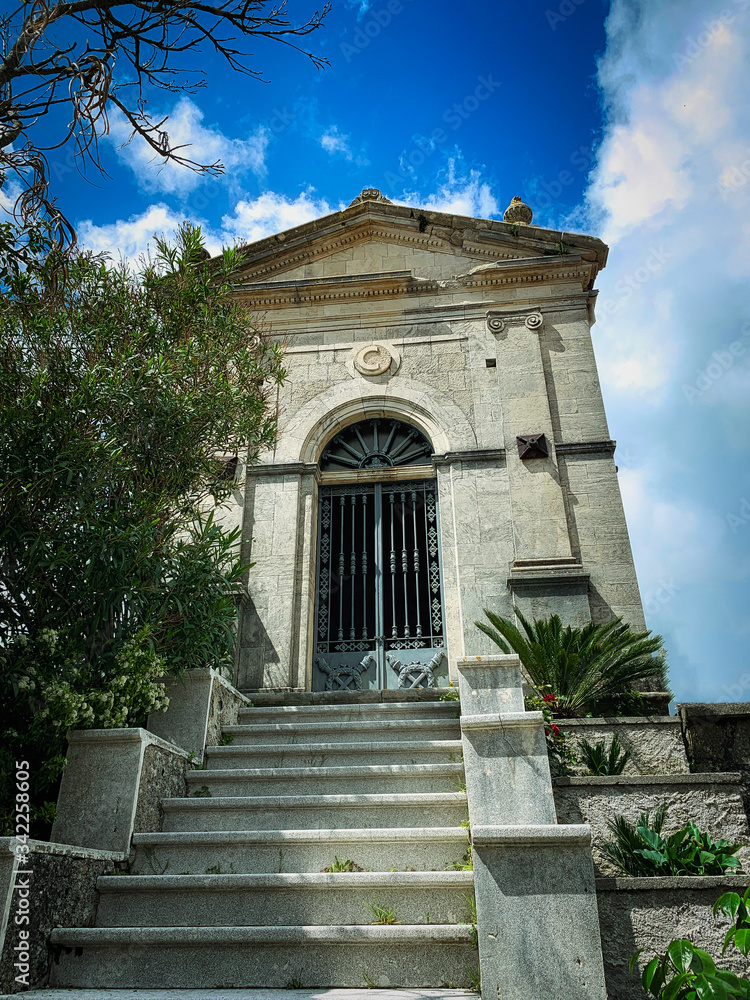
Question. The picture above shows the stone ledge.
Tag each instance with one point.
(614, 780)
(538, 835)
(673, 882)
(714, 710)
(123, 736)
(506, 720)
(484, 455)
(265, 698)
(250, 994)
(62, 850)
(622, 720)
(586, 447)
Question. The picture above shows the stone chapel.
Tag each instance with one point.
(443, 446)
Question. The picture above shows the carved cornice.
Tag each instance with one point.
(521, 271)
(480, 455)
(586, 448)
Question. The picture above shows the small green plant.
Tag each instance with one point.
(475, 980)
(202, 793)
(737, 908)
(382, 914)
(562, 757)
(450, 694)
(640, 850)
(294, 984)
(216, 870)
(153, 862)
(469, 897)
(427, 918)
(602, 761)
(369, 981)
(226, 740)
(343, 866)
(466, 864)
(685, 972)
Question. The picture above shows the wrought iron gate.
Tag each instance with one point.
(379, 607)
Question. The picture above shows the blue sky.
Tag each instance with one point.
(627, 120)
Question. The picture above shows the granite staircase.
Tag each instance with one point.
(237, 889)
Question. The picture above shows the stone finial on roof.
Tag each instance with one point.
(517, 211)
(370, 194)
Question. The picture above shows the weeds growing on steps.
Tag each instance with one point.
(449, 695)
(202, 793)
(469, 897)
(382, 914)
(342, 866)
(475, 980)
(466, 864)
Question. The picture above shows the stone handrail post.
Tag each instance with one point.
(537, 920)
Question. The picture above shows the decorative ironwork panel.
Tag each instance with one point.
(376, 444)
(379, 585)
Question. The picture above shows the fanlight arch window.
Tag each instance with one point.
(377, 443)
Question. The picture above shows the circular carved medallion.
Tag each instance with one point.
(372, 360)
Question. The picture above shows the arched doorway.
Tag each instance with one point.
(379, 618)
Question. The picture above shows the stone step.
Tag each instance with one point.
(311, 812)
(370, 779)
(358, 731)
(219, 957)
(350, 713)
(335, 754)
(365, 993)
(292, 899)
(270, 851)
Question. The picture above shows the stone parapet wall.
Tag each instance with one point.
(656, 741)
(62, 894)
(712, 801)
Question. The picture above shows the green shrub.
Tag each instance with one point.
(121, 395)
(641, 851)
(602, 761)
(686, 972)
(582, 666)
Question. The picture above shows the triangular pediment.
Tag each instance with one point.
(376, 237)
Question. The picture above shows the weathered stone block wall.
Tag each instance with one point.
(63, 894)
(656, 742)
(712, 801)
(649, 913)
(162, 776)
(717, 737)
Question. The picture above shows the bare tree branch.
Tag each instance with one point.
(126, 49)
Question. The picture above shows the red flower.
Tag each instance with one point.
(550, 699)
(555, 730)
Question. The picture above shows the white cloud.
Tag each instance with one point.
(458, 194)
(670, 193)
(337, 144)
(131, 238)
(199, 143)
(252, 220)
(333, 141)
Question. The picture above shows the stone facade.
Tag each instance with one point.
(479, 332)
